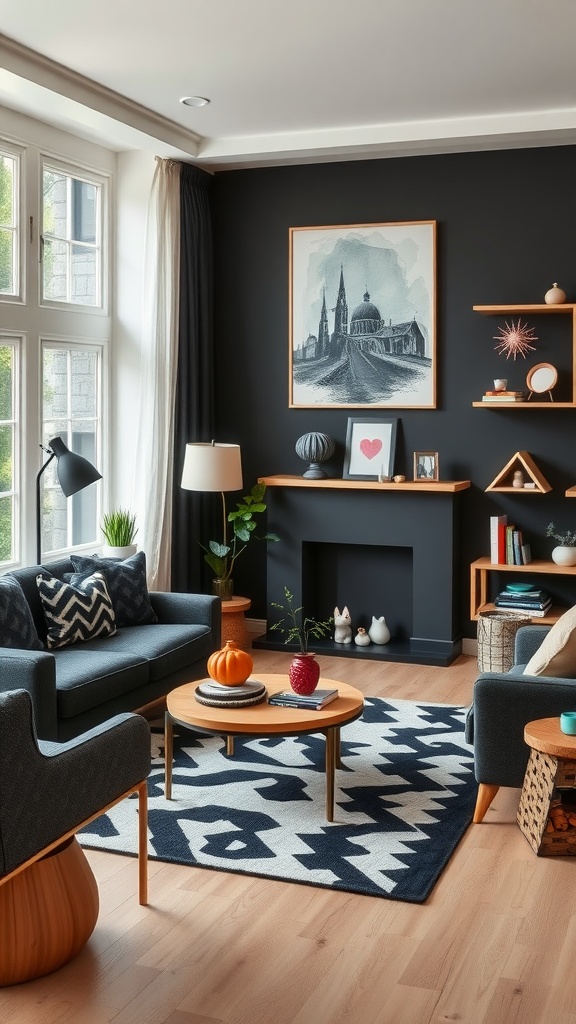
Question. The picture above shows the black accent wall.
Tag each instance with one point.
(506, 231)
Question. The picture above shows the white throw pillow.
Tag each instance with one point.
(556, 655)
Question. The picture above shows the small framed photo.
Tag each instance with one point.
(426, 466)
(370, 448)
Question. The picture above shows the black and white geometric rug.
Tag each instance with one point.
(403, 799)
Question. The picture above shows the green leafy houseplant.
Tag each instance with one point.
(566, 539)
(119, 528)
(298, 627)
(222, 557)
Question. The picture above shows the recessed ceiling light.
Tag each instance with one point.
(194, 101)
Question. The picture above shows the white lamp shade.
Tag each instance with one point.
(212, 467)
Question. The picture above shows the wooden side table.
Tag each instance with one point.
(547, 809)
(233, 622)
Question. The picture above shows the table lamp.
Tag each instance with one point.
(74, 473)
(213, 467)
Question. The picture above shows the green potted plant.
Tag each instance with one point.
(221, 557)
(304, 670)
(565, 552)
(119, 529)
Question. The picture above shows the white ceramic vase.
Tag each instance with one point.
(125, 552)
(564, 555)
(379, 632)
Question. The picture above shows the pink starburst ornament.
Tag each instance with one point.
(515, 340)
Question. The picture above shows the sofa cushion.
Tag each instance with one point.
(94, 673)
(79, 612)
(17, 629)
(167, 648)
(556, 655)
(127, 585)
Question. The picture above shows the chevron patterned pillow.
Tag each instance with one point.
(126, 584)
(72, 613)
(17, 627)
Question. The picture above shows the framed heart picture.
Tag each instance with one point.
(370, 448)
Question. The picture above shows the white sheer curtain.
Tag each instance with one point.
(154, 463)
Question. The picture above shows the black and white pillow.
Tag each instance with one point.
(127, 586)
(81, 612)
(17, 629)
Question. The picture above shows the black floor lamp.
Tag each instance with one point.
(74, 474)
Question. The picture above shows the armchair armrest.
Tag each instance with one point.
(503, 705)
(194, 609)
(527, 641)
(34, 671)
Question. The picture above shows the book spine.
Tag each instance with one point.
(526, 554)
(509, 545)
(495, 543)
(502, 541)
(517, 545)
(297, 704)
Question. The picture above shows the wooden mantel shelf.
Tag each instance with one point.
(435, 486)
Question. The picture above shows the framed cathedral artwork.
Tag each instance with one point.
(362, 312)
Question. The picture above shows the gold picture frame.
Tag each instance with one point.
(426, 467)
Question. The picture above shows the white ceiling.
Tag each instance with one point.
(293, 81)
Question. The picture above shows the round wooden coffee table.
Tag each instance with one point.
(265, 719)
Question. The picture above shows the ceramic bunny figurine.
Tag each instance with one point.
(343, 630)
(362, 638)
(379, 632)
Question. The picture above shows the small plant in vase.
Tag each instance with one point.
(119, 529)
(565, 552)
(304, 670)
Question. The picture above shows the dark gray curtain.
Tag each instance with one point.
(194, 408)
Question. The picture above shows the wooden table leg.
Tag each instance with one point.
(230, 746)
(330, 735)
(168, 755)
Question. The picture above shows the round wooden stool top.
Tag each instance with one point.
(546, 735)
(236, 604)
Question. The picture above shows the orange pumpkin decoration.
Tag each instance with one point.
(231, 666)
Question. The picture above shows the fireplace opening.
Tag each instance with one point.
(369, 579)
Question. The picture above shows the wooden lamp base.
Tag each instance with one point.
(47, 914)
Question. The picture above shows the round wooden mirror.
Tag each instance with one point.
(541, 378)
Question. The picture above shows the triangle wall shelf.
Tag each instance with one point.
(524, 462)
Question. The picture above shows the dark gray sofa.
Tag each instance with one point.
(79, 686)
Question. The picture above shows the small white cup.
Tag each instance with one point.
(500, 384)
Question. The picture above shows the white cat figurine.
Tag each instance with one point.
(343, 628)
(379, 632)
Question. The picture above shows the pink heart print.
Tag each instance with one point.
(370, 448)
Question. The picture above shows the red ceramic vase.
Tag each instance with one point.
(304, 673)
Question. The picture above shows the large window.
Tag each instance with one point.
(9, 166)
(71, 377)
(55, 329)
(71, 238)
(8, 453)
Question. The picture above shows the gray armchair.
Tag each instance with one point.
(48, 792)
(502, 705)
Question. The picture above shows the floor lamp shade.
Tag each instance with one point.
(74, 471)
(212, 467)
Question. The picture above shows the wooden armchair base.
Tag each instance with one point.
(486, 794)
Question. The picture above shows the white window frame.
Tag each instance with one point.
(100, 350)
(70, 170)
(7, 338)
(17, 153)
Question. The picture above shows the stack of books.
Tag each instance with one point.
(316, 700)
(526, 598)
(507, 546)
(504, 396)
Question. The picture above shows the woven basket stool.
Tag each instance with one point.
(496, 637)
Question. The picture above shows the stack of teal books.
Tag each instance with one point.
(527, 598)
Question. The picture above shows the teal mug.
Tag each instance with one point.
(568, 722)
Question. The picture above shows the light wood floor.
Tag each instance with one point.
(495, 943)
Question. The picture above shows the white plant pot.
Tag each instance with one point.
(108, 552)
(564, 555)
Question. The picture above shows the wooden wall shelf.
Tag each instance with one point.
(566, 308)
(480, 569)
(432, 486)
(525, 462)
